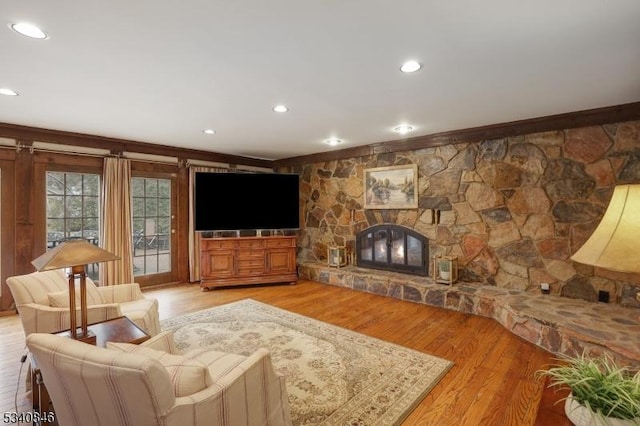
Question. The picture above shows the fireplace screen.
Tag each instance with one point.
(393, 248)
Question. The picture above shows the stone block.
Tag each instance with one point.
(411, 294)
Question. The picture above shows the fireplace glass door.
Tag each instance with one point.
(393, 248)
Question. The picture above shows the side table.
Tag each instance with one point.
(119, 330)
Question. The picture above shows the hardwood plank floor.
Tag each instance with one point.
(493, 381)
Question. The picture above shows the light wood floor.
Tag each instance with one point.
(492, 383)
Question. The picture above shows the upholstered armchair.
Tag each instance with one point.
(151, 384)
(42, 300)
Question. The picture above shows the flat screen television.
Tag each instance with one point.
(246, 201)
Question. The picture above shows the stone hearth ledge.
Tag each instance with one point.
(559, 325)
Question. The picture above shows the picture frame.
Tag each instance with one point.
(392, 187)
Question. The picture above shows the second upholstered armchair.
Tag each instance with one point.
(42, 300)
(154, 385)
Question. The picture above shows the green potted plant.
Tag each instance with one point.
(444, 267)
(602, 392)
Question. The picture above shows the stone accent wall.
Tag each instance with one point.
(513, 210)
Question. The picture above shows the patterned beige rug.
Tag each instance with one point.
(334, 376)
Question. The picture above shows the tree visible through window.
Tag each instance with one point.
(151, 205)
(73, 210)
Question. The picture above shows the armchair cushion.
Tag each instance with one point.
(60, 299)
(187, 375)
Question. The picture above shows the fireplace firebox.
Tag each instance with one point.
(393, 248)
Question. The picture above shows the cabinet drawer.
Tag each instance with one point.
(217, 244)
(250, 254)
(245, 272)
(249, 244)
(250, 266)
(284, 242)
(251, 263)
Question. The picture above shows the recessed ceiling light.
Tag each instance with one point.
(333, 142)
(7, 92)
(28, 30)
(410, 66)
(280, 108)
(403, 129)
(209, 131)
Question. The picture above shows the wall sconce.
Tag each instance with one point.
(337, 256)
(445, 269)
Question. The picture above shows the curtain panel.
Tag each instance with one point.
(117, 236)
(194, 240)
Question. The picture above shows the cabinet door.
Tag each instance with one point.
(217, 264)
(281, 260)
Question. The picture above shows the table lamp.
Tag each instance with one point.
(615, 244)
(75, 254)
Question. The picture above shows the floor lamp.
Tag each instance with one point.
(75, 254)
(615, 244)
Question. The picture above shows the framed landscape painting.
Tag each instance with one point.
(393, 187)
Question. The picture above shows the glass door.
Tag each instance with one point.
(153, 237)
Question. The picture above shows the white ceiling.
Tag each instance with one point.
(162, 71)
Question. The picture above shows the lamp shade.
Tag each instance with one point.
(72, 253)
(615, 244)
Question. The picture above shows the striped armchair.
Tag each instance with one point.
(151, 384)
(42, 300)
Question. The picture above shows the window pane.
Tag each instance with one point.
(137, 187)
(151, 264)
(73, 209)
(91, 206)
(92, 185)
(73, 183)
(73, 206)
(151, 187)
(164, 262)
(90, 228)
(164, 189)
(55, 183)
(55, 225)
(164, 207)
(74, 227)
(138, 225)
(55, 206)
(138, 207)
(151, 207)
(164, 225)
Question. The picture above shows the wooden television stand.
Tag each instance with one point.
(235, 261)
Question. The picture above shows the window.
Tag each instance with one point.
(151, 205)
(73, 210)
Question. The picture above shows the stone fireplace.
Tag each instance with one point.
(392, 247)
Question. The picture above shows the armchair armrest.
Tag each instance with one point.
(46, 319)
(162, 341)
(121, 293)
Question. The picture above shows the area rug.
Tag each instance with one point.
(334, 376)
